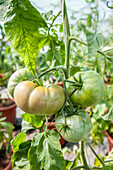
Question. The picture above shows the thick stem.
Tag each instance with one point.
(66, 36)
(102, 162)
(83, 156)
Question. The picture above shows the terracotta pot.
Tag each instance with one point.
(9, 112)
(110, 141)
(52, 126)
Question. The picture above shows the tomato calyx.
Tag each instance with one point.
(76, 83)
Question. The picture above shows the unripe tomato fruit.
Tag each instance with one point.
(74, 128)
(17, 77)
(91, 91)
(39, 100)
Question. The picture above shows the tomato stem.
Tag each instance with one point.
(66, 94)
(75, 83)
(83, 155)
(52, 69)
(102, 162)
(55, 19)
(84, 43)
(46, 122)
(78, 167)
(66, 36)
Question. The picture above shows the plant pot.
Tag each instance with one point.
(52, 126)
(110, 141)
(9, 112)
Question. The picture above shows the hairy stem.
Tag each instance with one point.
(102, 162)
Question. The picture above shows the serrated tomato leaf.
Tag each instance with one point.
(20, 138)
(94, 42)
(20, 157)
(33, 159)
(49, 150)
(22, 22)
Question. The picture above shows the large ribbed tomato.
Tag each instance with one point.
(74, 128)
(17, 77)
(91, 90)
(39, 100)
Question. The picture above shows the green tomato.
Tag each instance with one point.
(74, 128)
(39, 100)
(90, 93)
(17, 77)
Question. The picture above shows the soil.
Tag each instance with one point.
(6, 102)
(4, 159)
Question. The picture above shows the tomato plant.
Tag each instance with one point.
(30, 32)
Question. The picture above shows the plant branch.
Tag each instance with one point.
(52, 69)
(96, 167)
(55, 19)
(108, 161)
(83, 156)
(78, 167)
(73, 82)
(84, 43)
(66, 36)
(102, 162)
(66, 94)
(76, 39)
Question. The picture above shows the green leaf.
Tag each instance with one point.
(33, 159)
(74, 69)
(22, 23)
(34, 120)
(94, 42)
(109, 115)
(20, 157)
(97, 163)
(49, 150)
(26, 126)
(20, 138)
